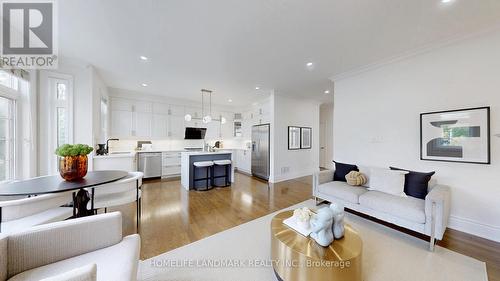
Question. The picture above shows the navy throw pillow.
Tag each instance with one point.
(342, 169)
(416, 183)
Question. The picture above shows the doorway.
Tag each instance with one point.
(326, 136)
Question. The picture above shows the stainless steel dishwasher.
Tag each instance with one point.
(150, 164)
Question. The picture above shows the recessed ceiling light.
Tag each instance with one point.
(327, 92)
(144, 58)
(257, 88)
(230, 100)
(446, 1)
(309, 64)
(144, 84)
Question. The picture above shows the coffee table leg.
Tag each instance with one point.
(81, 201)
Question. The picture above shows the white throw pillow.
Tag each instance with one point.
(388, 181)
(84, 273)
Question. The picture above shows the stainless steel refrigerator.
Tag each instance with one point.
(261, 151)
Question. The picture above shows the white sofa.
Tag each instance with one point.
(429, 216)
(71, 248)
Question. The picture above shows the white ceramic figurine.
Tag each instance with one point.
(321, 226)
(338, 227)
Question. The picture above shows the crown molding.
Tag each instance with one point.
(413, 53)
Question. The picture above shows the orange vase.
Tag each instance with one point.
(73, 168)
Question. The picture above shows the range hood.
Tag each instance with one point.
(195, 133)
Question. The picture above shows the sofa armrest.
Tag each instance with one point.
(322, 177)
(49, 243)
(439, 197)
(3, 258)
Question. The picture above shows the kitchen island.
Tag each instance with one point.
(187, 169)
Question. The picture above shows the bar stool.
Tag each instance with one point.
(227, 172)
(208, 166)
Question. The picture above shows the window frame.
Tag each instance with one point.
(13, 95)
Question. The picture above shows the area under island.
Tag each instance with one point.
(188, 174)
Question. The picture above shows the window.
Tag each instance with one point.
(8, 80)
(7, 139)
(60, 119)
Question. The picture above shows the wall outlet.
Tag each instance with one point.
(285, 170)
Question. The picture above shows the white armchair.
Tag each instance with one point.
(71, 247)
(19, 214)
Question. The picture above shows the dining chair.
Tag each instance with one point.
(21, 213)
(121, 192)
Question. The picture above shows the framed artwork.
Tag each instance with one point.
(456, 136)
(293, 138)
(305, 138)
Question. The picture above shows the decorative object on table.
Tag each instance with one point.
(293, 138)
(303, 217)
(305, 138)
(342, 169)
(456, 136)
(73, 161)
(338, 226)
(355, 178)
(101, 149)
(321, 227)
(289, 247)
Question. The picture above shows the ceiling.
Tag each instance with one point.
(232, 46)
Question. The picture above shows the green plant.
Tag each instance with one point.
(73, 150)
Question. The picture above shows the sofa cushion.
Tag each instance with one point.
(416, 183)
(409, 208)
(342, 190)
(388, 181)
(118, 262)
(341, 170)
(84, 273)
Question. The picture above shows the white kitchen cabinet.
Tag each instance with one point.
(176, 127)
(121, 104)
(176, 110)
(161, 108)
(244, 160)
(143, 122)
(160, 126)
(171, 164)
(122, 123)
(227, 130)
(123, 163)
(246, 125)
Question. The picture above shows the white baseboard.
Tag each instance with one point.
(286, 177)
(485, 231)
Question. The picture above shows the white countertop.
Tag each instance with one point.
(124, 154)
(189, 153)
(159, 150)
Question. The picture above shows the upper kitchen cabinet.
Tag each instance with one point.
(131, 118)
(195, 113)
(168, 121)
(227, 128)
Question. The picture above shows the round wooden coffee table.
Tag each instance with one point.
(296, 257)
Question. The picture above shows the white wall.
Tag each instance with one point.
(376, 120)
(293, 112)
(99, 91)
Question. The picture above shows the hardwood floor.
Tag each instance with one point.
(173, 217)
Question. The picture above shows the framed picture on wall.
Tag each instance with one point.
(293, 138)
(305, 138)
(456, 136)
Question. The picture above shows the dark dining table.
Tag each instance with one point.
(56, 184)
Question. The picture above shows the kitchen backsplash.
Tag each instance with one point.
(130, 145)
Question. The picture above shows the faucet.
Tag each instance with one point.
(107, 144)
